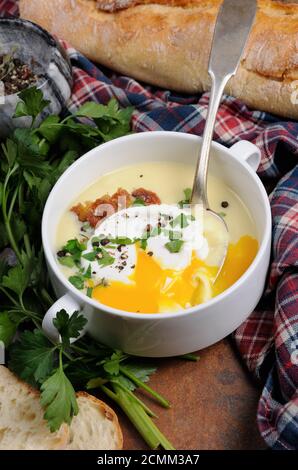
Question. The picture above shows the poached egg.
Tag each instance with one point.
(153, 260)
(156, 259)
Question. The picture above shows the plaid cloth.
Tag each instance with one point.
(268, 339)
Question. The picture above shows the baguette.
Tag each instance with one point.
(22, 426)
(167, 43)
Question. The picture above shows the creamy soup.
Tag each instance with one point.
(161, 274)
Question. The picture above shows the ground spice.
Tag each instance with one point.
(15, 75)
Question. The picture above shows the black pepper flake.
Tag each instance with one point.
(141, 176)
(124, 256)
(119, 247)
(120, 268)
(61, 253)
(150, 253)
(124, 263)
(133, 266)
(93, 272)
(224, 204)
(148, 228)
(105, 242)
(95, 243)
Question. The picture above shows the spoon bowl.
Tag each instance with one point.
(216, 232)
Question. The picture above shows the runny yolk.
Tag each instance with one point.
(156, 290)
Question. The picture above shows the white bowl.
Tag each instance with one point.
(162, 334)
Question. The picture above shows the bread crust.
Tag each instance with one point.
(109, 413)
(168, 44)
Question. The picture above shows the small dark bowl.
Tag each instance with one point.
(32, 45)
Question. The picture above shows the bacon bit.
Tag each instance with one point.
(96, 211)
(88, 212)
(149, 197)
(121, 199)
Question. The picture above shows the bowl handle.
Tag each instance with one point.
(70, 305)
(248, 152)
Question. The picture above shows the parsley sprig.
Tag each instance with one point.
(58, 368)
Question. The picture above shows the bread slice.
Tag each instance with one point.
(22, 426)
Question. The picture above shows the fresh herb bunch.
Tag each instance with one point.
(59, 369)
(31, 161)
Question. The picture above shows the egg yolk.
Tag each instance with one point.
(155, 289)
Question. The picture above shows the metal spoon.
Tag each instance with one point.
(233, 25)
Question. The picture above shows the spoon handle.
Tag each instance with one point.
(232, 28)
(199, 192)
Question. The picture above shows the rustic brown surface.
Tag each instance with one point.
(213, 401)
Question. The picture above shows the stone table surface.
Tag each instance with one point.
(214, 403)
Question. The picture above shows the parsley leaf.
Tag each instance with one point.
(74, 247)
(105, 258)
(59, 399)
(112, 365)
(10, 151)
(8, 328)
(32, 104)
(92, 110)
(91, 256)
(96, 382)
(32, 357)
(122, 241)
(50, 128)
(138, 202)
(18, 278)
(78, 280)
(72, 253)
(173, 234)
(66, 261)
(174, 246)
(140, 370)
(187, 197)
(69, 326)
